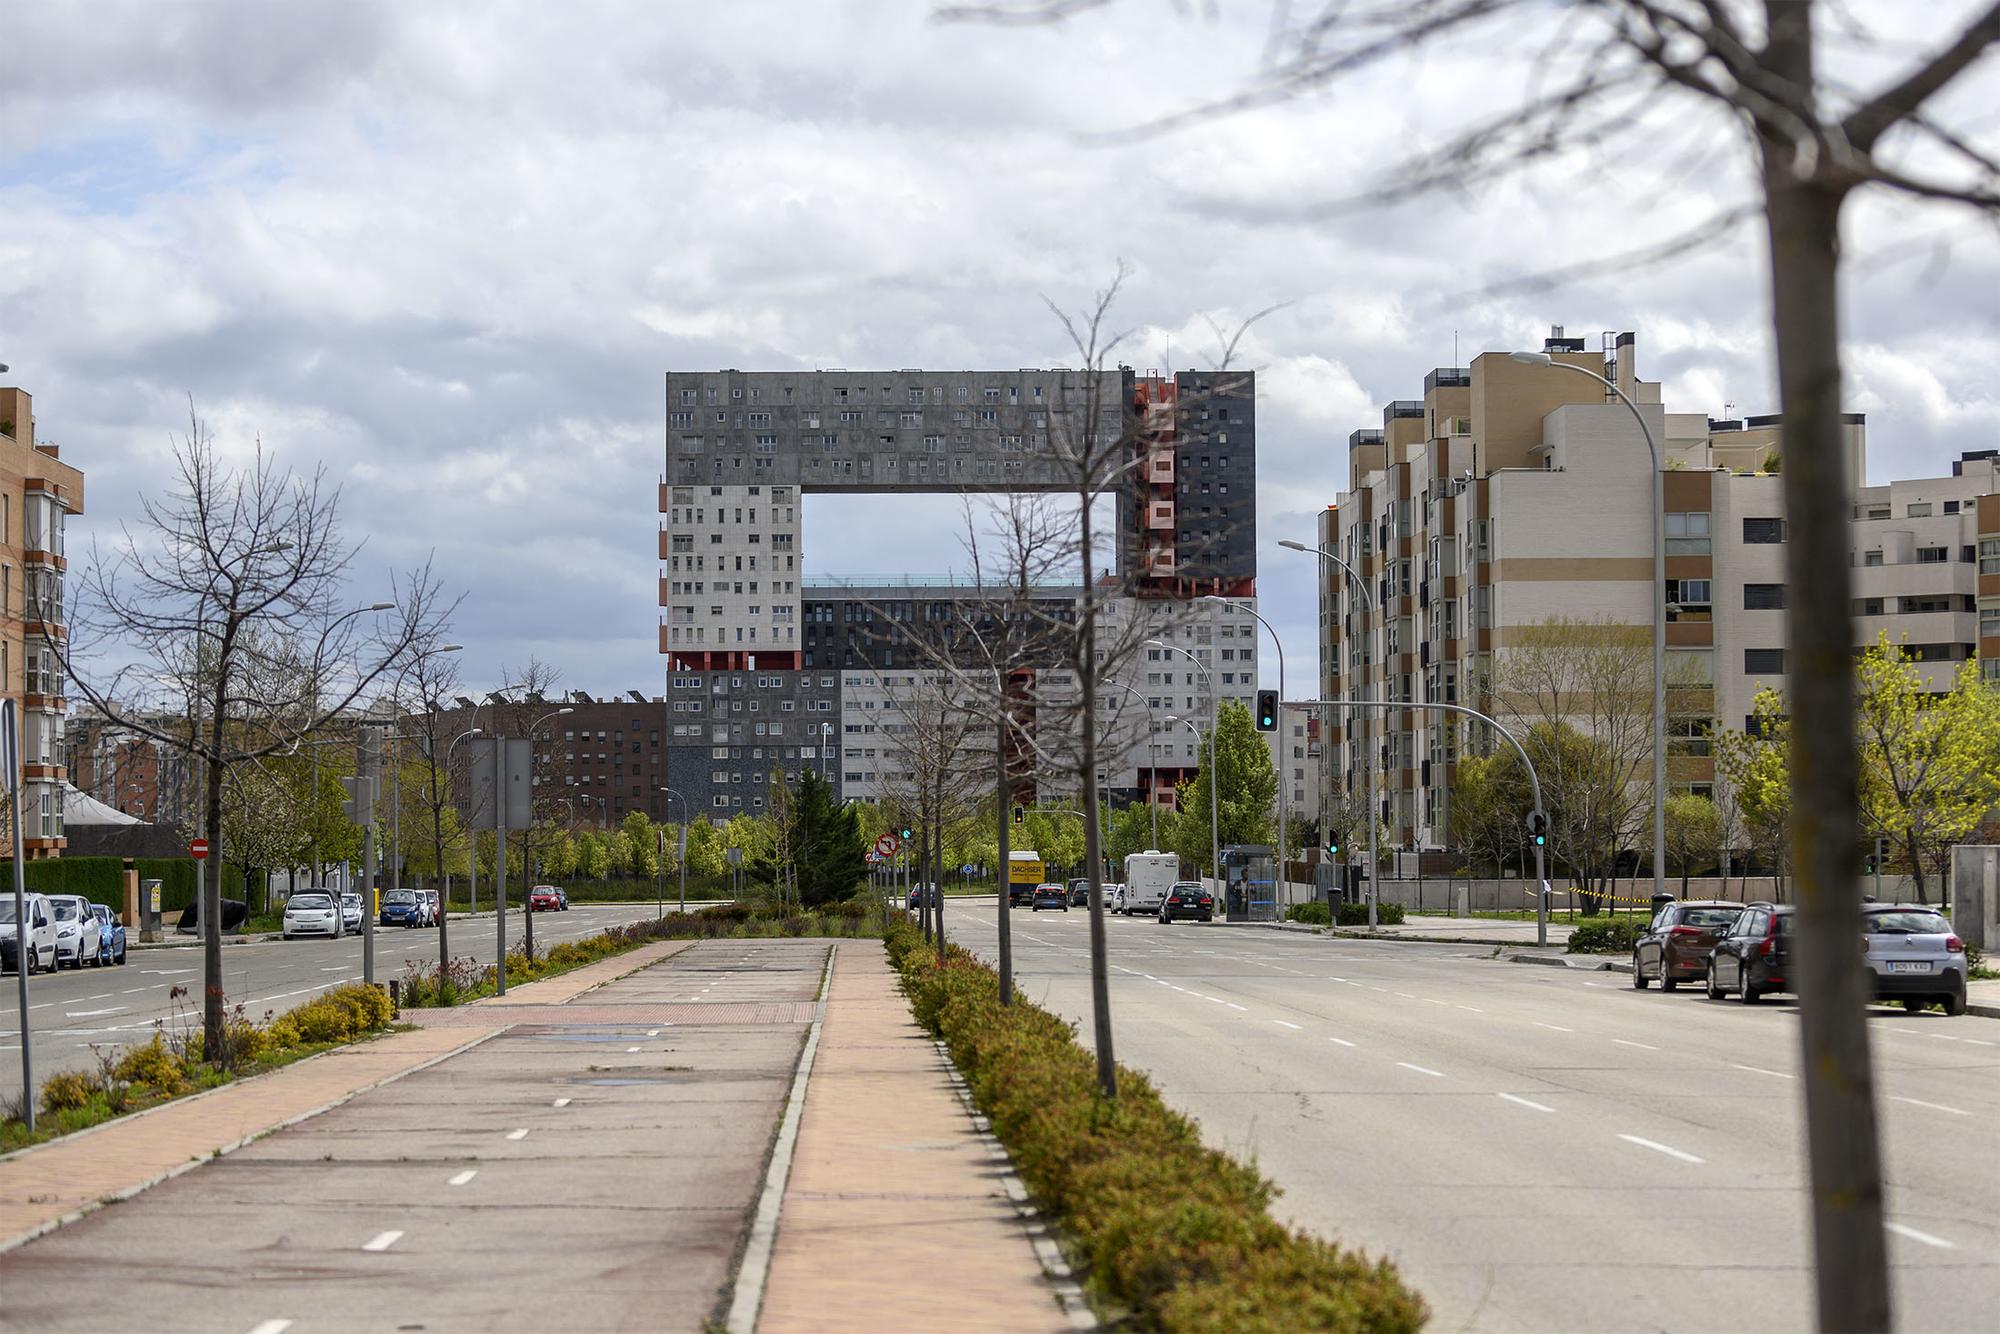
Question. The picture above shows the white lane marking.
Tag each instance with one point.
(167, 972)
(1342, 1041)
(562, 1102)
(652, 1032)
(1526, 1102)
(1233, 1005)
(630, 1050)
(1422, 1070)
(1285, 1023)
(382, 1241)
(517, 1134)
(1406, 995)
(1658, 1147)
(1383, 990)
(134, 991)
(1473, 1008)
(92, 1014)
(1977, 1042)
(337, 968)
(1913, 1032)
(99, 996)
(1760, 1070)
(271, 1327)
(1627, 1042)
(1558, 1028)
(463, 1177)
(1926, 1238)
(1428, 1000)
(1934, 1106)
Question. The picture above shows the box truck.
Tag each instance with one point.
(1148, 876)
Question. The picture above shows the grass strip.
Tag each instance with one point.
(1172, 1235)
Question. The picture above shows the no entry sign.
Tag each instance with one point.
(198, 849)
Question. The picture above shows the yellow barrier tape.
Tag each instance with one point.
(1599, 894)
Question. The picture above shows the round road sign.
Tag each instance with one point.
(198, 849)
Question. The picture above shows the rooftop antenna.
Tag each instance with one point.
(1454, 349)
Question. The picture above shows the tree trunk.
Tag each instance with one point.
(212, 1010)
(1916, 867)
(1842, 1149)
(1086, 639)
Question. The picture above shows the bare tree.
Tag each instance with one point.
(1813, 141)
(432, 679)
(232, 594)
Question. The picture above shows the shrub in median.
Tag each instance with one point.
(1315, 913)
(1176, 1235)
(1356, 914)
(1604, 935)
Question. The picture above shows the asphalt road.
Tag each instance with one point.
(593, 1172)
(73, 1011)
(1538, 1148)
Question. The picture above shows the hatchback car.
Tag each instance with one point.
(41, 951)
(312, 914)
(917, 895)
(404, 907)
(110, 935)
(1187, 898)
(1913, 957)
(350, 911)
(1677, 943)
(1051, 896)
(76, 930)
(1754, 956)
(1079, 892)
(545, 898)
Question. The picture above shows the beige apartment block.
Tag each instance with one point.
(38, 492)
(1510, 494)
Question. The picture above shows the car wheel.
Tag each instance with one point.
(1667, 982)
(1745, 992)
(28, 962)
(1912, 1004)
(124, 952)
(1714, 991)
(1954, 1002)
(1638, 973)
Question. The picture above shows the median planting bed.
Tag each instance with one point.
(1170, 1234)
(173, 1064)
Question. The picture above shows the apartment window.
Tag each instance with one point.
(1868, 606)
(1932, 555)
(1989, 671)
(1763, 662)
(1763, 531)
(1871, 558)
(1689, 599)
(1687, 533)
(1989, 622)
(1691, 667)
(1919, 510)
(1689, 736)
(1989, 555)
(1763, 597)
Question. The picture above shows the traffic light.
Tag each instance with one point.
(1333, 850)
(906, 833)
(1020, 816)
(1267, 710)
(1538, 828)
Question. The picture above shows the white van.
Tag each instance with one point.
(41, 933)
(1148, 876)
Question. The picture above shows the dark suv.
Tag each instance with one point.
(1756, 955)
(1677, 943)
(1079, 892)
(1188, 898)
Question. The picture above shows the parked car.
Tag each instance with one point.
(350, 911)
(1079, 892)
(405, 907)
(1678, 941)
(546, 898)
(41, 950)
(1051, 895)
(1020, 895)
(76, 930)
(110, 935)
(312, 913)
(1754, 956)
(433, 906)
(1913, 956)
(1187, 898)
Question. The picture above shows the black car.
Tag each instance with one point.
(1187, 899)
(1020, 895)
(1049, 896)
(1079, 893)
(1756, 955)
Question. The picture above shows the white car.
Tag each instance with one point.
(41, 933)
(312, 914)
(76, 930)
(350, 911)
(1114, 897)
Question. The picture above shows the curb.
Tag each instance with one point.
(1582, 963)
(746, 1299)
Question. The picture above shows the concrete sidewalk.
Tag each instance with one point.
(896, 1215)
(45, 1186)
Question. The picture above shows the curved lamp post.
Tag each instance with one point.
(1214, 810)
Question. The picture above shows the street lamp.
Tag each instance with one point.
(681, 852)
(1284, 879)
(1659, 596)
(1368, 757)
(1214, 705)
(1152, 757)
(528, 854)
(472, 846)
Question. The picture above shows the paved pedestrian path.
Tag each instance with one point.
(895, 1216)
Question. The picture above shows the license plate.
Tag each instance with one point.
(1909, 968)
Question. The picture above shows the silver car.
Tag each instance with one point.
(311, 913)
(1914, 957)
(350, 911)
(76, 930)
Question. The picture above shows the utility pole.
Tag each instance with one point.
(361, 789)
(1004, 875)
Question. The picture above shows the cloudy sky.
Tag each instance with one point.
(449, 249)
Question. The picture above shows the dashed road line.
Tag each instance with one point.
(381, 1241)
(1341, 1041)
(562, 1102)
(1287, 1023)
(1422, 1070)
(1642, 1046)
(1526, 1102)
(272, 1327)
(1934, 1106)
(463, 1177)
(1658, 1147)
(1760, 1070)
(518, 1134)
(1558, 1028)
(1903, 1230)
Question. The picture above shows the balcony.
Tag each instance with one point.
(1160, 515)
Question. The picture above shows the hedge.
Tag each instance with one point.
(1172, 1235)
(1604, 935)
(102, 879)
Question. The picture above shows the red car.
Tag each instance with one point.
(1676, 946)
(547, 898)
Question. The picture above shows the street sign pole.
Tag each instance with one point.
(24, 930)
(365, 799)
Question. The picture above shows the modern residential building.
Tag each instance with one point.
(1511, 494)
(38, 492)
(767, 670)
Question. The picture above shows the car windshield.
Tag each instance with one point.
(100, 912)
(1908, 922)
(400, 896)
(1709, 916)
(65, 910)
(350, 898)
(319, 901)
(6, 910)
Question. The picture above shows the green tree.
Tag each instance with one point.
(1483, 822)
(831, 845)
(705, 850)
(1246, 785)
(593, 862)
(1694, 831)
(641, 851)
(1928, 774)
(1756, 764)
(1131, 830)
(1057, 836)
